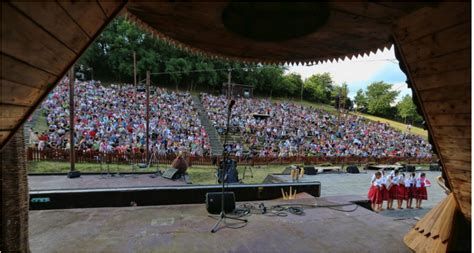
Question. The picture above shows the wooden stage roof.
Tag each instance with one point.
(40, 42)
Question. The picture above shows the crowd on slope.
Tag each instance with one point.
(112, 119)
(292, 129)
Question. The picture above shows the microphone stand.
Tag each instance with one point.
(225, 155)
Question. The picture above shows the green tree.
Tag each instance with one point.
(178, 69)
(339, 96)
(407, 110)
(361, 101)
(318, 88)
(111, 59)
(291, 85)
(380, 97)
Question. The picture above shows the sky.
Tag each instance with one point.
(358, 73)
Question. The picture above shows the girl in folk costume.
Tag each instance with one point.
(372, 191)
(421, 183)
(410, 189)
(384, 180)
(401, 193)
(375, 193)
(392, 188)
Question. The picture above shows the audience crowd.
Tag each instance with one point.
(286, 129)
(113, 119)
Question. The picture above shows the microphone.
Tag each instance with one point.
(232, 103)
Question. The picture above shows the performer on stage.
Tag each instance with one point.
(421, 183)
(375, 193)
(410, 189)
(392, 188)
(401, 193)
(383, 189)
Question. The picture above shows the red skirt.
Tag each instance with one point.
(393, 192)
(401, 194)
(409, 193)
(384, 193)
(371, 193)
(378, 198)
(421, 193)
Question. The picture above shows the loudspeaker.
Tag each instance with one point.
(213, 202)
(352, 169)
(232, 173)
(171, 173)
(409, 168)
(310, 170)
(74, 174)
(435, 167)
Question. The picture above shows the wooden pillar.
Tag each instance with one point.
(14, 195)
(229, 76)
(134, 69)
(72, 154)
(147, 115)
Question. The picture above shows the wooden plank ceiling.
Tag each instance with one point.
(352, 29)
(435, 45)
(40, 41)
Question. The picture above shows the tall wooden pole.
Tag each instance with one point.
(71, 118)
(229, 76)
(134, 69)
(147, 115)
(302, 88)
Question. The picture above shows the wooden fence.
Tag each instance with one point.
(62, 155)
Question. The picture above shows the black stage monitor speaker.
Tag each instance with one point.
(435, 167)
(310, 170)
(213, 202)
(409, 168)
(171, 173)
(74, 174)
(352, 169)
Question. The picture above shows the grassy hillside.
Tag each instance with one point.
(397, 125)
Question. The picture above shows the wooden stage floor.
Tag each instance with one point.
(186, 228)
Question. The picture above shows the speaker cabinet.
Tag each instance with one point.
(74, 174)
(171, 173)
(310, 170)
(214, 200)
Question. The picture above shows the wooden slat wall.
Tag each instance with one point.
(435, 45)
(40, 41)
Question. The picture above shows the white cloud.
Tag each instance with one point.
(350, 71)
(359, 72)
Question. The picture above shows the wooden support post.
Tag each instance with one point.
(134, 69)
(302, 88)
(229, 76)
(147, 115)
(14, 195)
(71, 119)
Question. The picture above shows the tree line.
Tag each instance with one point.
(110, 59)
